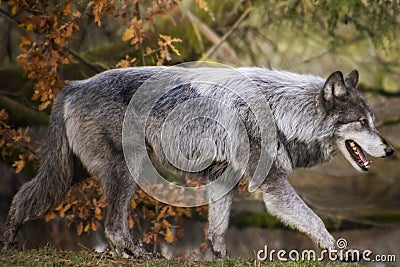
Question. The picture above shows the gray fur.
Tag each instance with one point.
(313, 118)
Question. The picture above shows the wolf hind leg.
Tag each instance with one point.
(282, 201)
(218, 217)
(119, 190)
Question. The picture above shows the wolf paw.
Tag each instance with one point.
(218, 252)
(326, 242)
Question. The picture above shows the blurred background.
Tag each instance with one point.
(43, 45)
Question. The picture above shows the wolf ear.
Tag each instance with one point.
(352, 79)
(334, 87)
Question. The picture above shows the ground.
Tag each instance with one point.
(49, 256)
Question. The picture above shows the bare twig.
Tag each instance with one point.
(226, 35)
(94, 67)
(8, 16)
(227, 51)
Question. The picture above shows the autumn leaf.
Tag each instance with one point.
(29, 27)
(79, 228)
(128, 34)
(14, 9)
(131, 222)
(174, 49)
(59, 207)
(50, 216)
(87, 227)
(94, 226)
(19, 164)
(133, 204)
(44, 105)
(165, 224)
(169, 236)
(97, 8)
(202, 4)
(149, 50)
(77, 14)
(67, 9)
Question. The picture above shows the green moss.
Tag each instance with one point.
(255, 219)
(385, 216)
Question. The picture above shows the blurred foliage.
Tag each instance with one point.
(57, 42)
(377, 19)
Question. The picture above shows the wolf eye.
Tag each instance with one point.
(363, 121)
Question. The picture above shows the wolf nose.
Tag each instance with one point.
(389, 151)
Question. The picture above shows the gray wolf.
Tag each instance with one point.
(314, 119)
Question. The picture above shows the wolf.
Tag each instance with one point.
(314, 119)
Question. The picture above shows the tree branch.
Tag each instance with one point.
(227, 51)
(94, 67)
(226, 35)
(22, 112)
(8, 16)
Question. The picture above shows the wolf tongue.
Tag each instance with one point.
(361, 155)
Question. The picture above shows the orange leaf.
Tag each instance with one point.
(94, 226)
(169, 236)
(77, 14)
(166, 224)
(29, 27)
(174, 49)
(131, 222)
(24, 41)
(79, 228)
(50, 216)
(149, 50)
(67, 207)
(133, 204)
(14, 10)
(19, 165)
(128, 34)
(202, 4)
(166, 38)
(67, 9)
(44, 105)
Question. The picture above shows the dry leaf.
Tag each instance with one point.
(169, 236)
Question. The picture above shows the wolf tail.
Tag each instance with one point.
(55, 176)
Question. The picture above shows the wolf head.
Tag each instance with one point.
(355, 131)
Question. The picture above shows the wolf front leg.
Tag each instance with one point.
(218, 217)
(283, 202)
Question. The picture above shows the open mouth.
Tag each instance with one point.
(358, 155)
